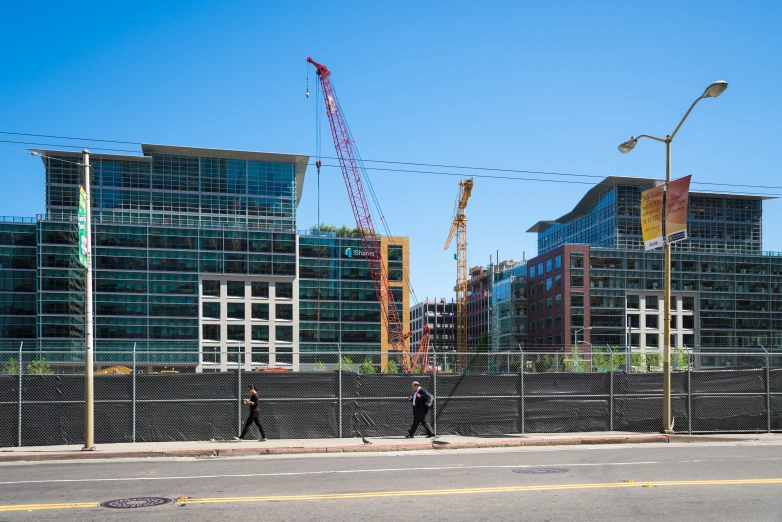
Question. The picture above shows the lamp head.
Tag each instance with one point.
(715, 89)
(627, 146)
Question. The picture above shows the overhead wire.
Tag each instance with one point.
(391, 162)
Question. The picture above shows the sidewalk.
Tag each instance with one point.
(377, 444)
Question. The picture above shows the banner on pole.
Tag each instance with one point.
(677, 203)
(84, 256)
(652, 217)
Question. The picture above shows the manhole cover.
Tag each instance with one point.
(135, 502)
(539, 471)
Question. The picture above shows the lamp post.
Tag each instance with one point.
(575, 339)
(712, 91)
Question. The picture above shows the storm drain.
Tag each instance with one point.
(136, 502)
(539, 471)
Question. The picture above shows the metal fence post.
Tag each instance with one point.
(434, 386)
(689, 399)
(339, 388)
(19, 418)
(768, 392)
(611, 393)
(238, 393)
(134, 393)
(521, 391)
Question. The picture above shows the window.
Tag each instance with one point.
(688, 303)
(211, 288)
(260, 289)
(633, 321)
(673, 302)
(652, 340)
(577, 260)
(236, 332)
(633, 302)
(576, 299)
(652, 302)
(284, 333)
(235, 288)
(549, 340)
(558, 320)
(210, 310)
(558, 261)
(531, 289)
(673, 322)
(260, 311)
(235, 311)
(284, 290)
(211, 355)
(532, 271)
(558, 300)
(688, 322)
(540, 268)
(652, 321)
(260, 332)
(558, 340)
(540, 324)
(211, 332)
(549, 322)
(548, 284)
(688, 340)
(532, 326)
(284, 311)
(532, 308)
(548, 265)
(576, 281)
(540, 287)
(558, 280)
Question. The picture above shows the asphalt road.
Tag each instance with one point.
(618, 482)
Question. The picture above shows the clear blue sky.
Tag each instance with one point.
(546, 86)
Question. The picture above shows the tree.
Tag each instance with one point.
(368, 366)
(680, 359)
(11, 367)
(346, 364)
(392, 368)
(40, 368)
(319, 367)
(604, 361)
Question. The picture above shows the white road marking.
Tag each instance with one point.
(328, 472)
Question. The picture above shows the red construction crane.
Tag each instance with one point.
(348, 161)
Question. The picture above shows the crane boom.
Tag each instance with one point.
(459, 226)
(348, 161)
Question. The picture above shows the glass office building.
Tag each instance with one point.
(596, 285)
(194, 258)
(609, 215)
(338, 304)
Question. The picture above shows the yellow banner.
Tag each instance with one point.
(677, 203)
(652, 217)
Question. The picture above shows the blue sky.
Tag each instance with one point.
(545, 86)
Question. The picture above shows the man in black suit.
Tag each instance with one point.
(422, 400)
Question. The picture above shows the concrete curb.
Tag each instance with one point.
(373, 448)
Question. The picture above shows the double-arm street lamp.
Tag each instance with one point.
(712, 91)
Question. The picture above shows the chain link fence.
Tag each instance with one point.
(155, 396)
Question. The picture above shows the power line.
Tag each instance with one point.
(67, 146)
(409, 163)
(70, 138)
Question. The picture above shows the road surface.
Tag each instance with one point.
(716, 481)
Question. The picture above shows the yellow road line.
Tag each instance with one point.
(474, 491)
(39, 507)
(419, 493)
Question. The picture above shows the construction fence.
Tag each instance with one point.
(340, 395)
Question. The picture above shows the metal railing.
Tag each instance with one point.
(346, 394)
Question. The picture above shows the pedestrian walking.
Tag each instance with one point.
(422, 400)
(255, 412)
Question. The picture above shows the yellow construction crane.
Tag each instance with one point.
(460, 227)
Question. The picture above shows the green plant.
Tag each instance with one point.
(680, 359)
(392, 367)
(39, 368)
(346, 364)
(319, 367)
(367, 366)
(416, 369)
(604, 361)
(11, 367)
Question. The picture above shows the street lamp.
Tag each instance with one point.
(712, 91)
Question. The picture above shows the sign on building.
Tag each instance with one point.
(652, 217)
(677, 202)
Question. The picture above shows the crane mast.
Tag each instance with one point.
(459, 226)
(348, 161)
